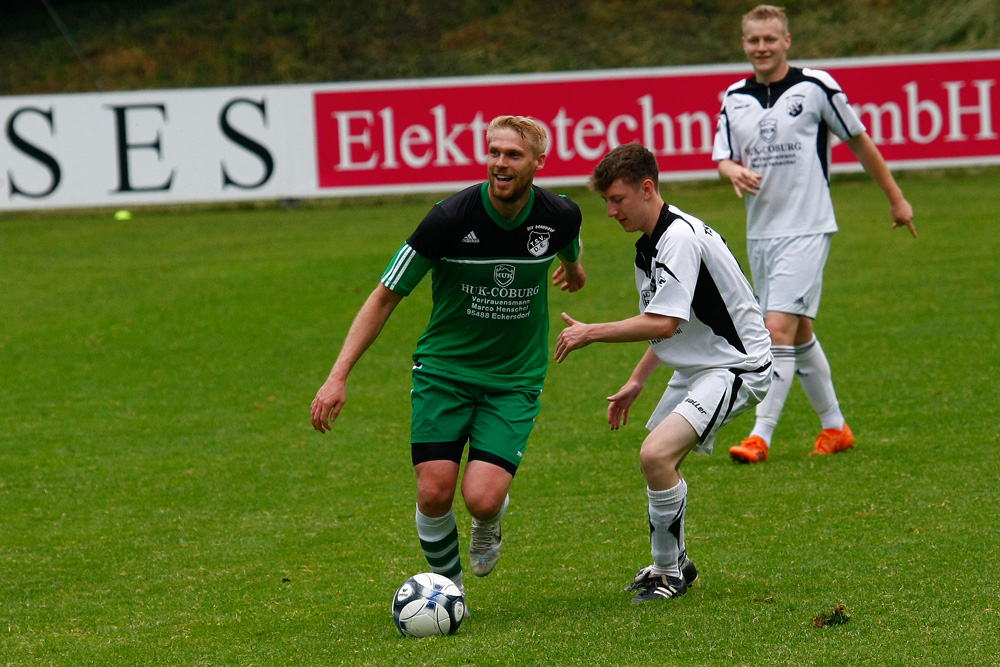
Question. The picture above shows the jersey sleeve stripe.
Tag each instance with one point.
(398, 266)
(831, 91)
(722, 148)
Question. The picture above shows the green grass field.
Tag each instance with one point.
(165, 501)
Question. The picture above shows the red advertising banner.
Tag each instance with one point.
(922, 111)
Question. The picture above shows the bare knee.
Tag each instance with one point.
(484, 502)
(781, 326)
(484, 489)
(435, 499)
(435, 489)
(664, 450)
(657, 462)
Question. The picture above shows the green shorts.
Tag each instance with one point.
(495, 422)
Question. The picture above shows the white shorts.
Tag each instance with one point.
(788, 272)
(709, 399)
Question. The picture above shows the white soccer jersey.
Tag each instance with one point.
(782, 132)
(687, 271)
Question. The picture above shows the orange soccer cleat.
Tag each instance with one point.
(750, 450)
(831, 441)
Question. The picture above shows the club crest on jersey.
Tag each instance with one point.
(538, 243)
(794, 105)
(503, 274)
(768, 129)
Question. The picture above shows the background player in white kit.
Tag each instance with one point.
(773, 142)
(699, 314)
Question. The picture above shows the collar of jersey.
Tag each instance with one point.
(776, 88)
(645, 246)
(666, 217)
(484, 192)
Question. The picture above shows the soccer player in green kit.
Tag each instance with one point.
(480, 364)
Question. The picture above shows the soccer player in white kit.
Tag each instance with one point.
(773, 143)
(699, 314)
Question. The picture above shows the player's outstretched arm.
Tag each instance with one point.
(743, 179)
(871, 159)
(364, 330)
(641, 327)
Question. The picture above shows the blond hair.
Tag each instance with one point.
(766, 13)
(529, 129)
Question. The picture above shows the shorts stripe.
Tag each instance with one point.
(715, 417)
(734, 393)
(730, 390)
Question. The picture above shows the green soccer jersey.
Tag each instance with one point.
(490, 317)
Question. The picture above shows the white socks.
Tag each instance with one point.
(666, 524)
(769, 410)
(814, 373)
(810, 364)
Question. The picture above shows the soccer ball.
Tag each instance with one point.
(427, 605)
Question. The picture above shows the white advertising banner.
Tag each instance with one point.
(326, 140)
(157, 147)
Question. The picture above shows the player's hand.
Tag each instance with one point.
(559, 277)
(621, 403)
(902, 216)
(571, 338)
(327, 405)
(569, 281)
(744, 180)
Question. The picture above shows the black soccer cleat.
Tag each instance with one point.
(688, 570)
(656, 586)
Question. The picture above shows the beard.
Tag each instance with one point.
(510, 191)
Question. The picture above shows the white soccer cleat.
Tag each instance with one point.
(484, 546)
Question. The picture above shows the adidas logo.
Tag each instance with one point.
(471, 238)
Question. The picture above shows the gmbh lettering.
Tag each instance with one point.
(436, 134)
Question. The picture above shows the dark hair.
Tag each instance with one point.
(633, 163)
